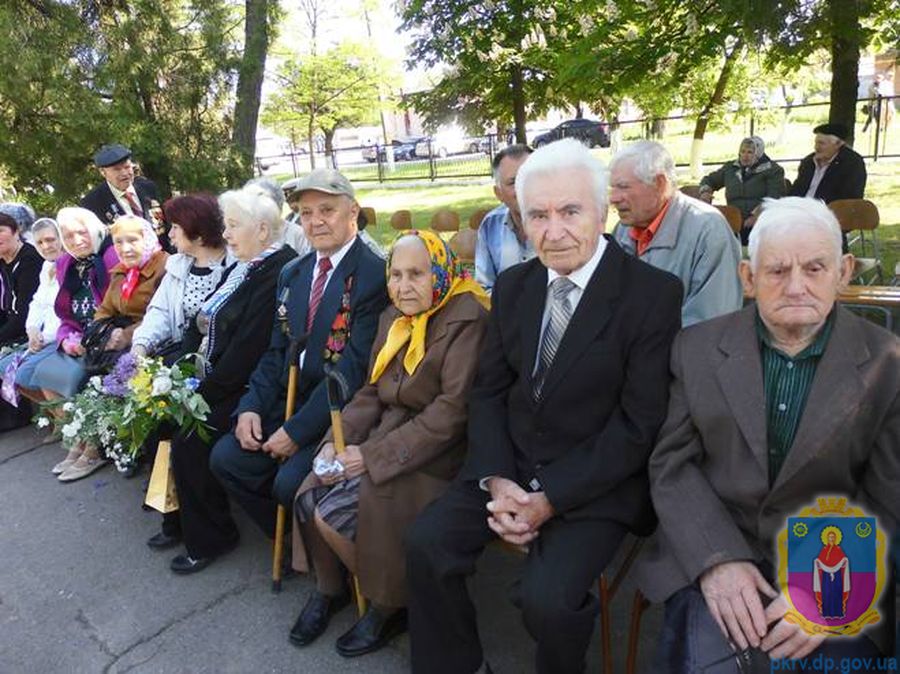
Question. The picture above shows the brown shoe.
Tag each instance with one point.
(86, 464)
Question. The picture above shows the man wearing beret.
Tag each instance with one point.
(833, 171)
(121, 193)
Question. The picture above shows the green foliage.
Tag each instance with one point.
(153, 74)
(326, 91)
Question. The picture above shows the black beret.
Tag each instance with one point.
(111, 154)
(835, 129)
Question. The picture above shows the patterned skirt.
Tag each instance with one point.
(338, 505)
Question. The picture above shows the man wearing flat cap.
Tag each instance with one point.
(121, 193)
(328, 301)
(833, 171)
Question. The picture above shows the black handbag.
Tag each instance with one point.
(97, 360)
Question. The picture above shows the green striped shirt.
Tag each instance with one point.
(787, 381)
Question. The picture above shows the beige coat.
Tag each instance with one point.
(412, 434)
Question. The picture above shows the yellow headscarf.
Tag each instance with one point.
(448, 279)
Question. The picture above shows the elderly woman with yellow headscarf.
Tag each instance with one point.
(406, 439)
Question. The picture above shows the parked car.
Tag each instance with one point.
(589, 131)
(404, 149)
(452, 141)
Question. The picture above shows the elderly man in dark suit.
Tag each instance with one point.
(789, 399)
(121, 193)
(569, 394)
(332, 297)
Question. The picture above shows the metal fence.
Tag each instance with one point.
(787, 131)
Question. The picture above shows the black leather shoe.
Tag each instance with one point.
(185, 564)
(371, 632)
(163, 541)
(315, 616)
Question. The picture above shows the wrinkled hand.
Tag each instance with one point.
(35, 342)
(117, 340)
(326, 453)
(786, 640)
(353, 460)
(732, 592)
(279, 445)
(516, 515)
(249, 431)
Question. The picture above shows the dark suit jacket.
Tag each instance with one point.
(709, 470)
(845, 178)
(604, 397)
(242, 330)
(268, 383)
(105, 206)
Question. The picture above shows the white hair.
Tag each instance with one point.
(268, 187)
(647, 159)
(779, 216)
(563, 155)
(252, 204)
(75, 215)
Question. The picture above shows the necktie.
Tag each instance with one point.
(135, 206)
(318, 289)
(560, 313)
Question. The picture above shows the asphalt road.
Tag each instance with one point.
(81, 592)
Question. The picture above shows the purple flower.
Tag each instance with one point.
(116, 382)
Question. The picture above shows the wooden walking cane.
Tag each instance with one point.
(281, 512)
(338, 390)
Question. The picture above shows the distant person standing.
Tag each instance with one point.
(124, 193)
(501, 239)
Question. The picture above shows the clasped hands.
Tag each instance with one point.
(732, 593)
(249, 434)
(351, 459)
(516, 515)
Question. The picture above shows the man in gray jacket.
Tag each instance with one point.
(674, 232)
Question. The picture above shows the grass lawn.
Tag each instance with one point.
(423, 200)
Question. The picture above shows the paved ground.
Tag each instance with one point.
(80, 591)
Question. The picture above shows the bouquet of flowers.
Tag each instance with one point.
(117, 412)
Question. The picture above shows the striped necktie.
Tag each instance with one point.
(318, 289)
(560, 313)
(135, 206)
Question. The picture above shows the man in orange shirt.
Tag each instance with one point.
(674, 232)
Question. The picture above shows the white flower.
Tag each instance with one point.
(69, 430)
(161, 386)
(43, 422)
(68, 407)
(97, 383)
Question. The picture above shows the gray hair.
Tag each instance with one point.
(514, 151)
(563, 155)
(782, 215)
(75, 215)
(648, 159)
(253, 204)
(268, 187)
(45, 223)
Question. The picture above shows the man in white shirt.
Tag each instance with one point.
(121, 193)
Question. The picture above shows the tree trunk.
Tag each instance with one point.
(518, 102)
(311, 129)
(250, 80)
(330, 159)
(718, 95)
(845, 44)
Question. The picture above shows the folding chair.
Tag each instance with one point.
(463, 244)
(369, 212)
(445, 220)
(476, 218)
(401, 220)
(691, 190)
(734, 217)
(861, 216)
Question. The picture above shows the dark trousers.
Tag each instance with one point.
(558, 609)
(692, 643)
(206, 523)
(257, 481)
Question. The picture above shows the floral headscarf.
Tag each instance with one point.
(759, 148)
(448, 279)
(151, 245)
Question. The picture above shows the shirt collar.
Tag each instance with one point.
(817, 348)
(338, 256)
(119, 194)
(643, 237)
(582, 275)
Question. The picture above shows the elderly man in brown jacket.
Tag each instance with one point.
(770, 407)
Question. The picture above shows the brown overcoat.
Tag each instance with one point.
(135, 306)
(412, 434)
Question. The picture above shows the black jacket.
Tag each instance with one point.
(20, 280)
(604, 398)
(242, 328)
(845, 178)
(105, 206)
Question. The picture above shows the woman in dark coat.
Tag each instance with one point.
(406, 435)
(231, 332)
